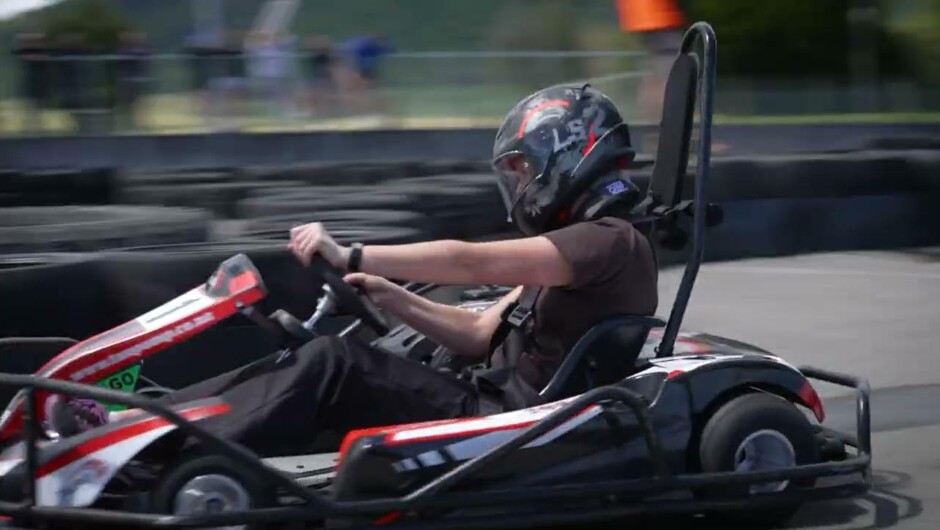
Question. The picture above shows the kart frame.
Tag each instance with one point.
(620, 497)
(624, 497)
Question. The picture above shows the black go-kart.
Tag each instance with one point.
(640, 418)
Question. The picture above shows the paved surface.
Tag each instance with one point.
(875, 314)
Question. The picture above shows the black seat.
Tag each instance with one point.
(607, 353)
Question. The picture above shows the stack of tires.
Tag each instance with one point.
(84, 251)
(442, 206)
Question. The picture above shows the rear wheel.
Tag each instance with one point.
(757, 432)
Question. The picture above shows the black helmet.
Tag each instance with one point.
(558, 156)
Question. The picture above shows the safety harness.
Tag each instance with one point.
(494, 383)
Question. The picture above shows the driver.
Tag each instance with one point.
(558, 158)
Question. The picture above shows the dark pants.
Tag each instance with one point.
(331, 385)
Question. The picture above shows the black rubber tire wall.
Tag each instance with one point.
(57, 187)
(51, 295)
(90, 228)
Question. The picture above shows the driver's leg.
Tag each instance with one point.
(281, 405)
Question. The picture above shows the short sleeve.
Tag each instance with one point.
(597, 250)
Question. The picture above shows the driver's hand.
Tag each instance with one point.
(381, 291)
(311, 239)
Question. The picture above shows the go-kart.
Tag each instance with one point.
(640, 417)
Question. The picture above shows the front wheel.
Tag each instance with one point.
(757, 432)
(205, 484)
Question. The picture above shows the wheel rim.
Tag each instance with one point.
(764, 451)
(211, 494)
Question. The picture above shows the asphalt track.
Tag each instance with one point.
(874, 314)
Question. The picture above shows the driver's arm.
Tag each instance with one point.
(464, 332)
(527, 261)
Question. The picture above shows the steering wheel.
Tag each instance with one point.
(350, 298)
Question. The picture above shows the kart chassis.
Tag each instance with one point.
(621, 498)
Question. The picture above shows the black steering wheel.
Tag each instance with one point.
(350, 298)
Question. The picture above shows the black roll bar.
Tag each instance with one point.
(706, 88)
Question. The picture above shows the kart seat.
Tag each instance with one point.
(607, 353)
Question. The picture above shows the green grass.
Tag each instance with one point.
(809, 119)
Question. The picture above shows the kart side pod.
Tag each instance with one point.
(679, 394)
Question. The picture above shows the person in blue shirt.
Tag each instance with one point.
(366, 53)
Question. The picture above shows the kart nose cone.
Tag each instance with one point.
(208, 494)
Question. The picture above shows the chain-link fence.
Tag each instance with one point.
(173, 93)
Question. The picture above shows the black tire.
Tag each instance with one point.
(301, 203)
(183, 177)
(730, 426)
(39, 296)
(331, 173)
(220, 198)
(375, 227)
(365, 234)
(57, 187)
(9, 262)
(189, 467)
(308, 191)
(92, 228)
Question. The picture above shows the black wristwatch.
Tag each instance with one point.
(355, 257)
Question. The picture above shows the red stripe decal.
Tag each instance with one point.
(539, 108)
(125, 433)
(486, 429)
(469, 432)
(387, 518)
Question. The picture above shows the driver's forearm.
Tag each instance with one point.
(425, 262)
(459, 330)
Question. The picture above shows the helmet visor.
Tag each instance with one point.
(515, 172)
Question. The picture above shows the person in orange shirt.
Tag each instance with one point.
(660, 24)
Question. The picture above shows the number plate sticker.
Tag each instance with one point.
(123, 381)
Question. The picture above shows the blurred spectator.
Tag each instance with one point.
(320, 63)
(660, 25)
(271, 69)
(73, 88)
(132, 76)
(32, 51)
(200, 49)
(230, 87)
(363, 55)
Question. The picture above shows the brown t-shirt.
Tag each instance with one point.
(614, 274)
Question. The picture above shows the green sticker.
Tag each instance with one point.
(123, 381)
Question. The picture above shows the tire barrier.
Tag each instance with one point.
(773, 206)
(171, 152)
(377, 226)
(313, 202)
(781, 227)
(51, 294)
(360, 173)
(26, 355)
(218, 198)
(816, 176)
(57, 187)
(465, 205)
(138, 279)
(89, 228)
(458, 206)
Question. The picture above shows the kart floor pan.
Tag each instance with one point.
(308, 470)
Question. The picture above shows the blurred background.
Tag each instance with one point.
(182, 66)
(142, 142)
